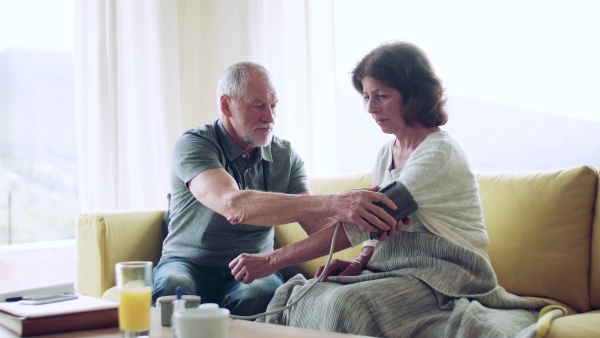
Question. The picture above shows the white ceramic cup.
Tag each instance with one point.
(202, 322)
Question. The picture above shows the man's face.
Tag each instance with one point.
(253, 116)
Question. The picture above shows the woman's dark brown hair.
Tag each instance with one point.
(405, 67)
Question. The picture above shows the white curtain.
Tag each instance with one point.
(145, 71)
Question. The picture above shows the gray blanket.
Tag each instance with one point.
(421, 285)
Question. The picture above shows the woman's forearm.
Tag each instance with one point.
(312, 247)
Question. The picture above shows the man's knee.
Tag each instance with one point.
(187, 284)
(250, 299)
(167, 285)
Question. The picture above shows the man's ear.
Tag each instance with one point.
(225, 102)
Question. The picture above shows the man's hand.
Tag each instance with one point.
(356, 206)
(249, 267)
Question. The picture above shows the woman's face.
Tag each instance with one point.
(385, 105)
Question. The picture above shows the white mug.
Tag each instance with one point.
(202, 322)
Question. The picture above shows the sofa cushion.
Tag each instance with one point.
(540, 228)
(289, 233)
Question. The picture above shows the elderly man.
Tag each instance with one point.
(232, 181)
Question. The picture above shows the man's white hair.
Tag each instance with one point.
(234, 80)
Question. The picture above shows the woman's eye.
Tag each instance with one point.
(381, 97)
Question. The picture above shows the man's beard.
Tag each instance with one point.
(253, 139)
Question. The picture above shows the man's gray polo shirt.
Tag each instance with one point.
(203, 236)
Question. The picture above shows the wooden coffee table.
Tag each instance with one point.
(237, 329)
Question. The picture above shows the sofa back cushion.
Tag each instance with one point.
(290, 233)
(540, 229)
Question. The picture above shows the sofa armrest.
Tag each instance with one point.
(578, 325)
(106, 238)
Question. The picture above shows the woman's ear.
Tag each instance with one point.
(225, 105)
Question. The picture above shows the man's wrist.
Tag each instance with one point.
(274, 260)
(329, 204)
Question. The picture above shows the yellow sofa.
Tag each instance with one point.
(544, 230)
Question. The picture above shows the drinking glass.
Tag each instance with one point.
(134, 281)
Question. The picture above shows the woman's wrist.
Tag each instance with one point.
(365, 255)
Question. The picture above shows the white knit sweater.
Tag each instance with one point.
(439, 177)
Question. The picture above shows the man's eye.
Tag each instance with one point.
(381, 97)
(365, 98)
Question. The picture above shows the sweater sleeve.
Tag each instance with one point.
(440, 180)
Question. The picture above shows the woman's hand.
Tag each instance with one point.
(340, 268)
(348, 268)
(394, 230)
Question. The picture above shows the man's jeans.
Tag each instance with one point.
(214, 285)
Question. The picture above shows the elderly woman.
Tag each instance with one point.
(433, 278)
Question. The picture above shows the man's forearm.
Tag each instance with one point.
(217, 190)
(261, 208)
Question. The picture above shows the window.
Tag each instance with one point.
(521, 77)
(38, 190)
(38, 168)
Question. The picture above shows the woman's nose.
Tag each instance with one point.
(372, 108)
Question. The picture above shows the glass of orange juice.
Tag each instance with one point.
(134, 281)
